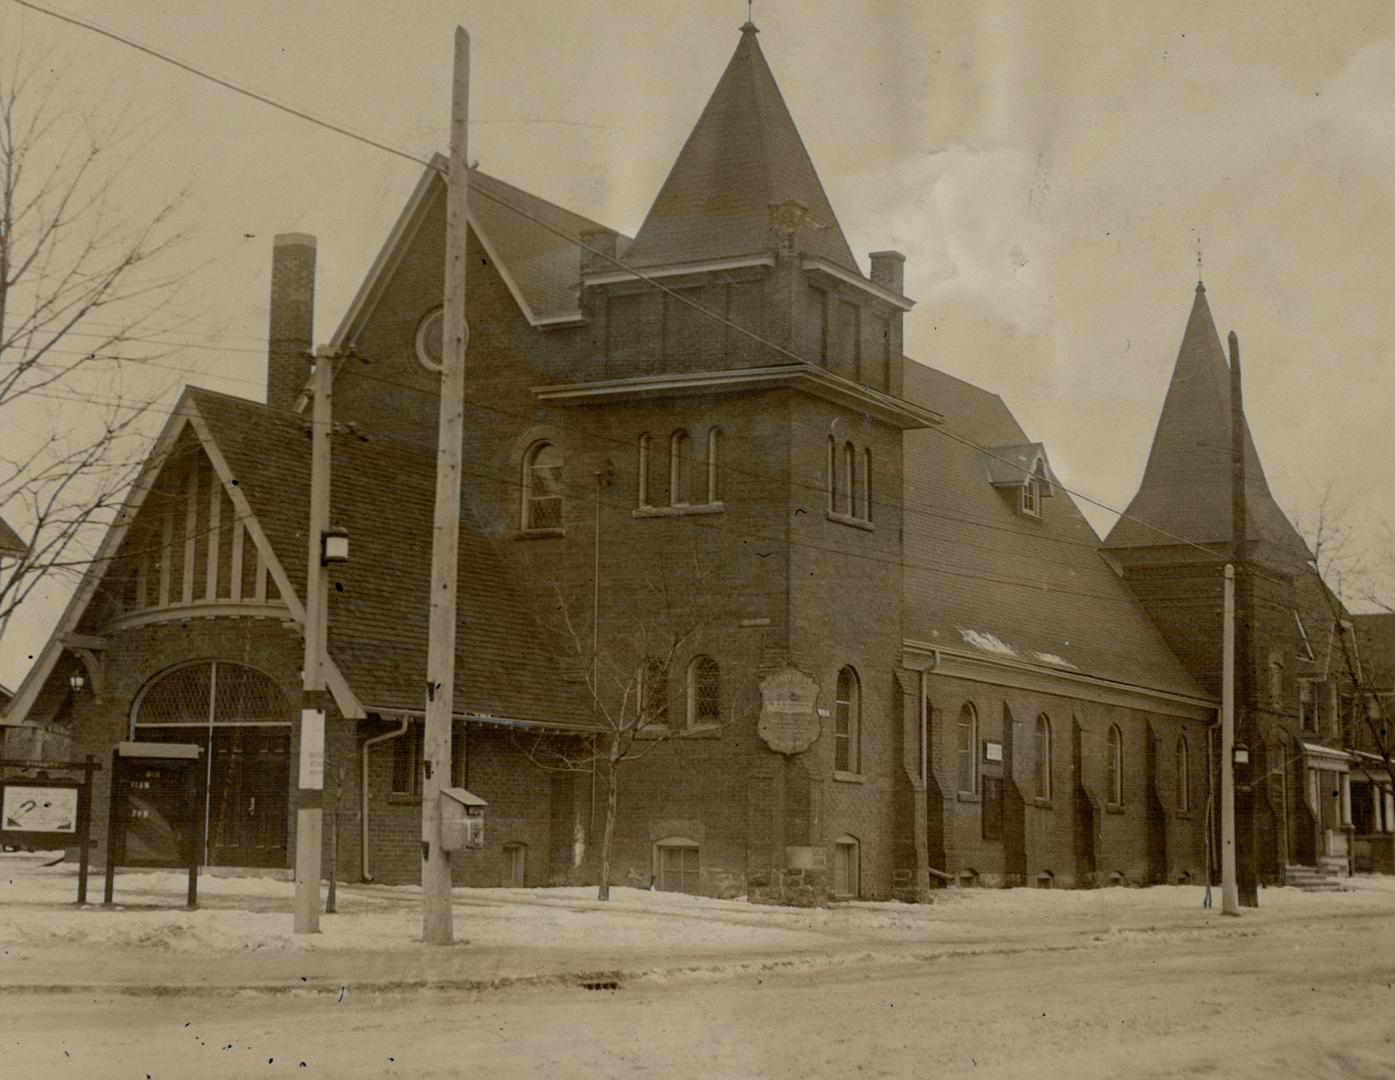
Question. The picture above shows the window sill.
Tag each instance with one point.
(848, 519)
(1113, 808)
(653, 731)
(1045, 804)
(538, 534)
(967, 796)
(848, 777)
(683, 510)
(1183, 815)
(401, 798)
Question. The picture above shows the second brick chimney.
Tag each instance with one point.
(292, 324)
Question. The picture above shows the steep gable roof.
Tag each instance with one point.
(519, 230)
(11, 546)
(1186, 487)
(981, 579)
(744, 155)
(378, 620)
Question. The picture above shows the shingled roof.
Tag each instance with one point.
(982, 578)
(1186, 486)
(744, 155)
(378, 619)
(11, 546)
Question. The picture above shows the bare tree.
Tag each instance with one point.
(82, 287)
(628, 679)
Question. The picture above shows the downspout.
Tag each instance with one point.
(368, 744)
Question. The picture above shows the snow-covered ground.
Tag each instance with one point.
(1136, 982)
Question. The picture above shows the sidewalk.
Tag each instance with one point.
(240, 938)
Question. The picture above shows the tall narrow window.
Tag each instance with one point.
(832, 474)
(1184, 775)
(846, 867)
(643, 473)
(714, 443)
(850, 476)
(1043, 748)
(680, 457)
(866, 485)
(704, 692)
(653, 692)
(847, 723)
(676, 865)
(1115, 765)
(968, 749)
(542, 487)
(406, 761)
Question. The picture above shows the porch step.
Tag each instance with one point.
(1314, 878)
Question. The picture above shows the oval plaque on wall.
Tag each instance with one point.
(789, 721)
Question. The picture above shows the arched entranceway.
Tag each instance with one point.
(243, 722)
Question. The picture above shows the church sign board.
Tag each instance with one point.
(789, 721)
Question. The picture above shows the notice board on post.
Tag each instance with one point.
(41, 810)
(155, 818)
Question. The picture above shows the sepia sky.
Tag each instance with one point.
(1046, 168)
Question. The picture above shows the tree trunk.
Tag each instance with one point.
(611, 790)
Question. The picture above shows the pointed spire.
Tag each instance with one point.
(1186, 484)
(743, 170)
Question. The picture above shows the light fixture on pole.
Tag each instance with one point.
(334, 545)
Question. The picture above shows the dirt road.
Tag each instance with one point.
(1308, 997)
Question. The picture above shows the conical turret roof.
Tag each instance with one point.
(1186, 486)
(744, 155)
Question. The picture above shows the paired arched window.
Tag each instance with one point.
(704, 692)
(847, 723)
(968, 749)
(683, 473)
(849, 480)
(542, 487)
(1114, 766)
(1042, 739)
(1184, 775)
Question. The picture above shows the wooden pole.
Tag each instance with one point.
(1247, 854)
(309, 814)
(1230, 899)
(445, 540)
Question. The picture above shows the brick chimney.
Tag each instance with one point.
(292, 326)
(889, 270)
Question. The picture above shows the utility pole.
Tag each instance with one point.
(1247, 855)
(309, 814)
(445, 535)
(1230, 901)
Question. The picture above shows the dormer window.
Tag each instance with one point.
(1022, 473)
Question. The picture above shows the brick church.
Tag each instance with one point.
(877, 645)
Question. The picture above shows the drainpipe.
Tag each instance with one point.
(368, 744)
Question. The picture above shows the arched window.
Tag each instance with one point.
(850, 476)
(833, 487)
(714, 442)
(847, 723)
(866, 484)
(542, 487)
(847, 867)
(680, 458)
(1114, 763)
(653, 692)
(1184, 775)
(642, 472)
(1043, 748)
(676, 865)
(968, 749)
(704, 692)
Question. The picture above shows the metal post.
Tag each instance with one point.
(445, 545)
(1230, 898)
(309, 815)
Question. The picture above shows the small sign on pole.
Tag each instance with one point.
(312, 749)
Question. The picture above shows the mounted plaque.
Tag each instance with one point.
(789, 722)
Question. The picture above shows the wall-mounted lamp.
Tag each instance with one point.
(334, 546)
(1242, 754)
(76, 681)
